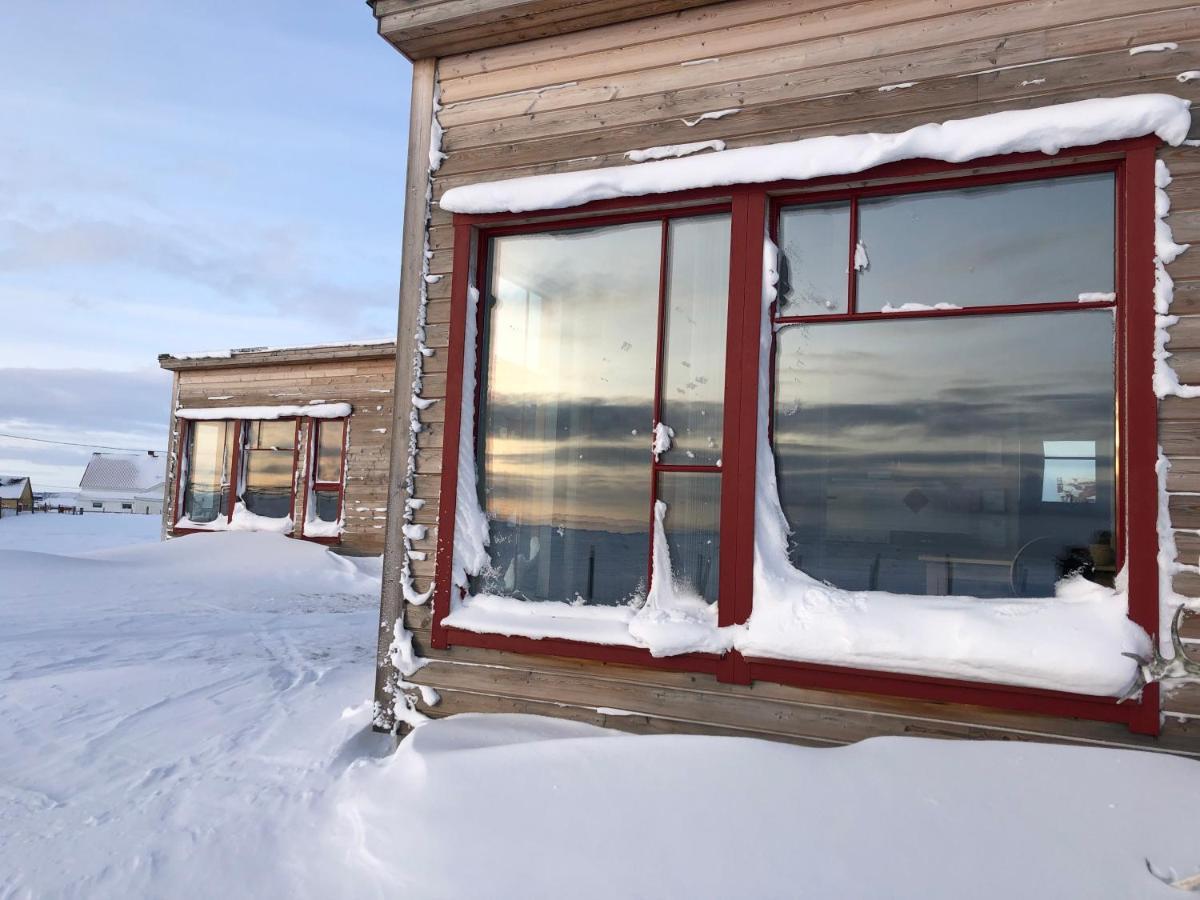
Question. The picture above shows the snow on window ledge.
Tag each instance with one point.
(1046, 129)
(311, 411)
(316, 528)
(242, 520)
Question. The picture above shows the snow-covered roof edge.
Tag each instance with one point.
(312, 411)
(1047, 129)
(372, 344)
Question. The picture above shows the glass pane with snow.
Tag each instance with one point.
(966, 455)
(1024, 242)
(268, 460)
(210, 448)
(693, 528)
(814, 255)
(567, 388)
(330, 438)
(697, 292)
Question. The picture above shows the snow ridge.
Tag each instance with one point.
(1046, 129)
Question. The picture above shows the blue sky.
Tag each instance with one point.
(184, 176)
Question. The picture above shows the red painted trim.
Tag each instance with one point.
(943, 690)
(851, 267)
(677, 467)
(748, 207)
(706, 663)
(660, 349)
(235, 466)
(448, 496)
(1015, 309)
(1139, 414)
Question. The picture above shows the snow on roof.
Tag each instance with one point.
(1047, 129)
(123, 472)
(12, 487)
(227, 354)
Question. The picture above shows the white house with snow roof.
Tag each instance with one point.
(124, 483)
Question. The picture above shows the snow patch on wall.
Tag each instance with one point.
(715, 114)
(1166, 381)
(1153, 48)
(669, 151)
(470, 523)
(1045, 129)
(888, 88)
(1190, 75)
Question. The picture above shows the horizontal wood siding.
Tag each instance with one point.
(793, 69)
(366, 384)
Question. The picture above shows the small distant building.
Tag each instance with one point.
(124, 483)
(16, 494)
(291, 440)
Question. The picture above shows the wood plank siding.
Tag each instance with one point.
(583, 98)
(363, 376)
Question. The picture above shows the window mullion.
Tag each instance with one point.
(659, 355)
(852, 264)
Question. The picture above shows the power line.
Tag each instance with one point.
(23, 437)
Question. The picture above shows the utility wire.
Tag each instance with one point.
(22, 437)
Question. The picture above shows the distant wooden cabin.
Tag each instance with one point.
(291, 440)
(958, 368)
(16, 494)
(123, 483)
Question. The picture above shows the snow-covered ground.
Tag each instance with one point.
(191, 720)
(60, 533)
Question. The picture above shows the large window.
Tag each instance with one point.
(209, 460)
(922, 449)
(264, 455)
(954, 381)
(268, 459)
(596, 340)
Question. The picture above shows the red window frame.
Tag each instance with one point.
(753, 209)
(235, 463)
(311, 483)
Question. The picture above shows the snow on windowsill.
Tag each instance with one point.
(1046, 129)
(242, 520)
(311, 411)
(916, 307)
(316, 528)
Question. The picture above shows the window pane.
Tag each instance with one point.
(1030, 242)
(325, 505)
(329, 450)
(693, 527)
(567, 388)
(268, 466)
(209, 446)
(693, 391)
(814, 243)
(912, 453)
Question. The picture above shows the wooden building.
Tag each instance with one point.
(16, 494)
(960, 369)
(290, 440)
